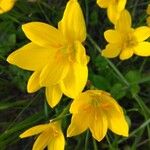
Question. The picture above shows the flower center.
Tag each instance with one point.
(129, 41)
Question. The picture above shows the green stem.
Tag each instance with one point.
(63, 114)
(95, 144)
(86, 140)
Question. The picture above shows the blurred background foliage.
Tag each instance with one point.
(20, 110)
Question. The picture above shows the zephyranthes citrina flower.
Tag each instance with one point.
(50, 136)
(148, 18)
(6, 5)
(114, 8)
(126, 41)
(98, 111)
(56, 56)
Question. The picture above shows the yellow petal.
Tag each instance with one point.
(103, 3)
(98, 124)
(75, 80)
(80, 54)
(34, 130)
(111, 51)
(142, 33)
(121, 4)
(112, 36)
(148, 9)
(77, 125)
(123, 24)
(113, 13)
(57, 143)
(6, 5)
(53, 95)
(126, 54)
(72, 24)
(115, 116)
(81, 102)
(33, 82)
(143, 49)
(148, 21)
(42, 140)
(31, 57)
(54, 72)
(43, 34)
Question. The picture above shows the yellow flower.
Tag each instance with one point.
(148, 21)
(6, 5)
(148, 9)
(56, 56)
(114, 8)
(96, 110)
(148, 18)
(126, 41)
(50, 136)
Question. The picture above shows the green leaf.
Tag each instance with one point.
(118, 91)
(100, 82)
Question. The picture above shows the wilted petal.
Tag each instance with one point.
(34, 130)
(31, 57)
(72, 24)
(142, 49)
(53, 95)
(142, 33)
(43, 34)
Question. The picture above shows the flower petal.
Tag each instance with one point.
(81, 102)
(98, 124)
(80, 54)
(34, 130)
(77, 125)
(57, 143)
(112, 36)
(111, 51)
(31, 57)
(126, 54)
(53, 95)
(53, 72)
(123, 24)
(43, 34)
(103, 3)
(113, 13)
(72, 24)
(121, 4)
(42, 140)
(115, 116)
(33, 82)
(142, 33)
(143, 49)
(148, 21)
(148, 9)
(6, 5)
(75, 80)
